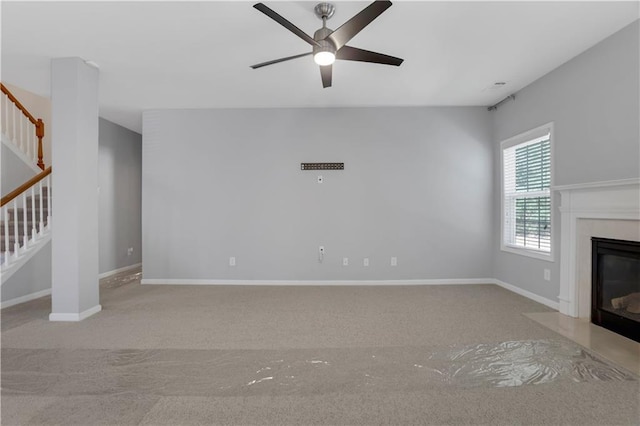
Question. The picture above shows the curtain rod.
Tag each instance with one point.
(508, 98)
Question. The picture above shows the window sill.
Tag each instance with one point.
(529, 253)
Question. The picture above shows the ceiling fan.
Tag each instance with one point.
(329, 45)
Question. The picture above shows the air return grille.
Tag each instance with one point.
(322, 166)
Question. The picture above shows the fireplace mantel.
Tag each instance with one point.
(609, 200)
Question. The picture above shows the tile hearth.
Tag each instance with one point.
(614, 347)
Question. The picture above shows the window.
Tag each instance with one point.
(526, 193)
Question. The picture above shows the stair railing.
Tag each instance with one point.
(16, 124)
(26, 217)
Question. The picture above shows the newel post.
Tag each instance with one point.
(40, 135)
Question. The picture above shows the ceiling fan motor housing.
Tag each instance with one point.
(325, 45)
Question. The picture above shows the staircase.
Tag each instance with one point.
(21, 128)
(25, 212)
(30, 220)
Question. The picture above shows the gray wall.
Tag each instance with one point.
(14, 171)
(417, 185)
(33, 277)
(593, 102)
(120, 168)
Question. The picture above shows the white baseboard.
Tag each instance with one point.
(528, 294)
(161, 281)
(464, 281)
(27, 298)
(73, 316)
(117, 271)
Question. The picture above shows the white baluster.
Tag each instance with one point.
(5, 127)
(16, 245)
(13, 125)
(25, 225)
(21, 131)
(30, 136)
(26, 136)
(7, 109)
(49, 201)
(41, 227)
(16, 126)
(23, 134)
(7, 121)
(5, 211)
(34, 144)
(5, 113)
(33, 213)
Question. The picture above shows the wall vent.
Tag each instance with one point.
(321, 166)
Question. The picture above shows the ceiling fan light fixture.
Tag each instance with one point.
(324, 54)
(324, 58)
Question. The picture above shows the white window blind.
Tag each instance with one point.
(526, 194)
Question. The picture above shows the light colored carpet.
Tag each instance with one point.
(175, 355)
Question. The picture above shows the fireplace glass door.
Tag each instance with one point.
(615, 301)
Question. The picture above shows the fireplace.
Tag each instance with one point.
(615, 299)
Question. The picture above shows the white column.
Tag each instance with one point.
(74, 127)
(566, 298)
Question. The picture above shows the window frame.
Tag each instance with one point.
(508, 143)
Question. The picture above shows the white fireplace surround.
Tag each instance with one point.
(610, 200)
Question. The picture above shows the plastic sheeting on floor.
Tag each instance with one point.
(520, 363)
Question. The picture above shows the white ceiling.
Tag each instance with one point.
(197, 54)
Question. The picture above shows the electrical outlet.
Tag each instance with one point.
(547, 274)
(345, 261)
(365, 262)
(394, 261)
(129, 251)
(232, 261)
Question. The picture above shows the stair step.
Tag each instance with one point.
(20, 231)
(12, 242)
(11, 212)
(45, 203)
(36, 197)
(30, 224)
(32, 205)
(20, 219)
(11, 232)
(12, 239)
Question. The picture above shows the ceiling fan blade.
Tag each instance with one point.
(325, 73)
(349, 29)
(348, 53)
(275, 61)
(288, 25)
